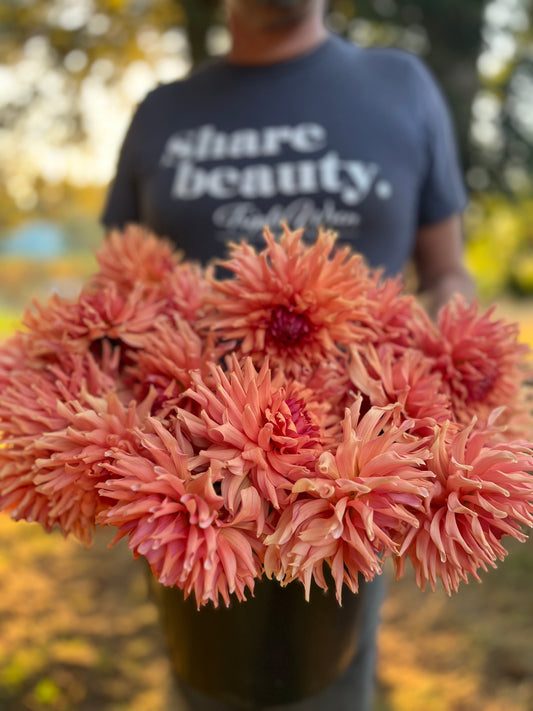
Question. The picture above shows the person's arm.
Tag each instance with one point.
(439, 263)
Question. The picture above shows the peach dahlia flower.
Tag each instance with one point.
(187, 290)
(170, 353)
(79, 326)
(45, 475)
(266, 433)
(177, 519)
(346, 514)
(134, 256)
(480, 360)
(295, 304)
(482, 492)
(391, 312)
(407, 379)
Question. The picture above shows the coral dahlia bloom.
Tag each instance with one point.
(266, 433)
(72, 461)
(480, 360)
(406, 379)
(295, 304)
(169, 355)
(187, 290)
(134, 257)
(36, 416)
(391, 312)
(98, 315)
(26, 412)
(482, 492)
(177, 520)
(345, 514)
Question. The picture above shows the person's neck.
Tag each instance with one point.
(252, 45)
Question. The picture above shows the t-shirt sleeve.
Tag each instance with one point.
(443, 191)
(122, 201)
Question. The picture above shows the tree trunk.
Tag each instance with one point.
(200, 16)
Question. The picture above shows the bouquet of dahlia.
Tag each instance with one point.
(301, 412)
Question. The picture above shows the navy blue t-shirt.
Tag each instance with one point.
(356, 140)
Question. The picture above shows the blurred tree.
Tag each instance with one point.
(70, 72)
(200, 16)
(500, 246)
(502, 126)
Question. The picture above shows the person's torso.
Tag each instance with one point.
(332, 139)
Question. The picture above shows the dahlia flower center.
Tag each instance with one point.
(287, 327)
(97, 349)
(161, 398)
(300, 418)
(479, 389)
(98, 345)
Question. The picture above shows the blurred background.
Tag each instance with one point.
(76, 630)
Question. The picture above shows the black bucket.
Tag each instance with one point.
(275, 648)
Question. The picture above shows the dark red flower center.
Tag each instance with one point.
(478, 376)
(98, 346)
(301, 419)
(287, 327)
(478, 389)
